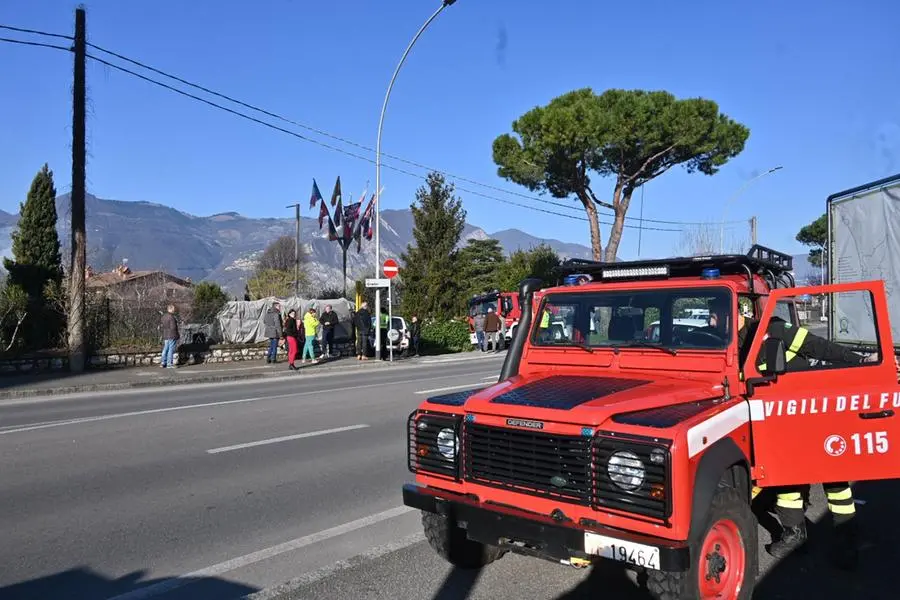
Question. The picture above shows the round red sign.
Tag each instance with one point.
(390, 268)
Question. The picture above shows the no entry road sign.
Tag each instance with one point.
(390, 268)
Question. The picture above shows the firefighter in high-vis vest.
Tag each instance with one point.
(801, 346)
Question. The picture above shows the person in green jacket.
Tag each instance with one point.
(310, 326)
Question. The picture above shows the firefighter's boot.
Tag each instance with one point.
(792, 539)
(845, 545)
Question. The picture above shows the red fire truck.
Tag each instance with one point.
(505, 304)
(599, 442)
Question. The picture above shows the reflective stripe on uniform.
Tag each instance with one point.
(756, 491)
(840, 502)
(793, 349)
(792, 500)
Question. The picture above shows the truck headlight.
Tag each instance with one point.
(448, 443)
(626, 470)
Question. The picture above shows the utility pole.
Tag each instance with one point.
(296, 251)
(753, 223)
(79, 241)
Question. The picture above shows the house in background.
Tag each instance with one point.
(140, 286)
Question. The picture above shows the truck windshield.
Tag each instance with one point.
(693, 318)
(481, 306)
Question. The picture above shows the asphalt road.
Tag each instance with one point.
(287, 490)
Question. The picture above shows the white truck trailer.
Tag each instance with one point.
(864, 244)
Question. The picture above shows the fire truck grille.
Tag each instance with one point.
(530, 462)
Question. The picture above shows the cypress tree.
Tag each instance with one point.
(36, 255)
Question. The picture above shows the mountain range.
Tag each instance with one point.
(223, 247)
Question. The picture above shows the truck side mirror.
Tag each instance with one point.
(776, 361)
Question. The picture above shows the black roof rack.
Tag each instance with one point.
(773, 265)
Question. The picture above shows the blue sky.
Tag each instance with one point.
(815, 81)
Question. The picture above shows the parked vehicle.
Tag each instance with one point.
(395, 337)
(505, 304)
(596, 444)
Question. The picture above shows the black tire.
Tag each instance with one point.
(728, 505)
(451, 544)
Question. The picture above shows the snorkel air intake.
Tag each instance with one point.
(527, 288)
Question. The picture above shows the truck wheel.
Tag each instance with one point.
(723, 559)
(451, 543)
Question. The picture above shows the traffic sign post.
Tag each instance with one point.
(378, 283)
(391, 270)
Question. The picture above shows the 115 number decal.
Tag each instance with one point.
(870, 442)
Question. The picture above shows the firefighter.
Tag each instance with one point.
(801, 346)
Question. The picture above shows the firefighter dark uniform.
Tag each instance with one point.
(800, 346)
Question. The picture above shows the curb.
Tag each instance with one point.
(186, 379)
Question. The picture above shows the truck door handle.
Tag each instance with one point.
(881, 414)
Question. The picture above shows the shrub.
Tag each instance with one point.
(446, 336)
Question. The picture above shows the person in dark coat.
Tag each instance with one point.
(329, 321)
(170, 335)
(415, 331)
(273, 330)
(363, 325)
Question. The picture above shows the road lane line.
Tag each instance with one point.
(285, 438)
(153, 411)
(261, 555)
(448, 388)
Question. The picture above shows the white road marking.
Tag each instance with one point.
(448, 388)
(153, 411)
(281, 590)
(285, 438)
(261, 555)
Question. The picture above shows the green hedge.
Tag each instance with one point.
(446, 336)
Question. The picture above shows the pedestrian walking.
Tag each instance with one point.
(415, 331)
(292, 337)
(492, 328)
(363, 324)
(310, 325)
(169, 329)
(329, 321)
(273, 330)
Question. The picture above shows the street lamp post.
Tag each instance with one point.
(735, 196)
(387, 96)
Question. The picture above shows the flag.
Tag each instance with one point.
(338, 213)
(332, 232)
(323, 212)
(366, 222)
(336, 194)
(351, 212)
(316, 196)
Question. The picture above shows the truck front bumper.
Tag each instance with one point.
(535, 534)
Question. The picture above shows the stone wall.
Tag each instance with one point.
(184, 356)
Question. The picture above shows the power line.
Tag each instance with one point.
(324, 133)
(356, 144)
(330, 147)
(36, 32)
(41, 44)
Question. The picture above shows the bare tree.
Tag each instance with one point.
(705, 240)
(278, 256)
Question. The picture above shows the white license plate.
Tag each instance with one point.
(621, 551)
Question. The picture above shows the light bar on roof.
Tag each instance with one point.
(636, 272)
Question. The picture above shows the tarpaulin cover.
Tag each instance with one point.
(865, 246)
(241, 322)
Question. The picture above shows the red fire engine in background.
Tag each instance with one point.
(505, 304)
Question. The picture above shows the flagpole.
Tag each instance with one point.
(387, 96)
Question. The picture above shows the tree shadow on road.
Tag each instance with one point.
(458, 584)
(82, 583)
(606, 580)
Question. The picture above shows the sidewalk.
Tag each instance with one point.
(63, 382)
